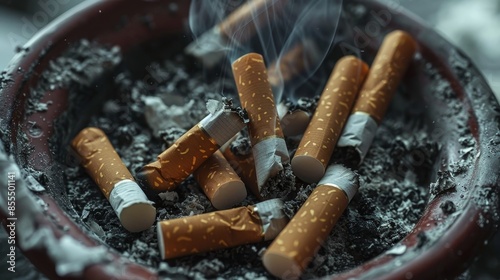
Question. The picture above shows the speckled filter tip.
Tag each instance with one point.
(316, 147)
(256, 96)
(388, 69)
(221, 229)
(193, 148)
(297, 244)
(103, 164)
(220, 183)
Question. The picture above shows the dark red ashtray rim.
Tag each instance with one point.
(447, 257)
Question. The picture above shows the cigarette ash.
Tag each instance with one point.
(306, 104)
(393, 192)
(80, 66)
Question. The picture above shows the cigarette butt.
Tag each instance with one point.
(387, 70)
(103, 164)
(256, 96)
(244, 165)
(316, 147)
(180, 160)
(192, 149)
(219, 182)
(296, 60)
(244, 22)
(295, 122)
(238, 28)
(220, 229)
(288, 66)
(297, 244)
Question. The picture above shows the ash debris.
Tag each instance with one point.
(307, 104)
(81, 65)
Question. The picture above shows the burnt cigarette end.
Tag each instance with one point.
(219, 182)
(293, 249)
(387, 70)
(220, 229)
(103, 164)
(334, 106)
(256, 96)
(193, 148)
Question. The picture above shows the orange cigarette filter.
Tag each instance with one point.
(256, 96)
(300, 240)
(180, 160)
(219, 182)
(387, 70)
(321, 136)
(221, 229)
(193, 148)
(103, 164)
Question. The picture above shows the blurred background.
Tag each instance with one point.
(473, 26)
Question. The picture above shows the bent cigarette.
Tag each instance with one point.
(219, 182)
(268, 144)
(297, 244)
(221, 229)
(238, 27)
(387, 70)
(319, 140)
(193, 148)
(103, 164)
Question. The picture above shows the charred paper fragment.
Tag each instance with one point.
(388, 68)
(256, 96)
(316, 147)
(103, 164)
(297, 244)
(193, 148)
(221, 229)
(219, 182)
(236, 29)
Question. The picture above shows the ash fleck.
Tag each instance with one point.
(444, 183)
(171, 134)
(241, 145)
(307, 104)
(448, 207)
